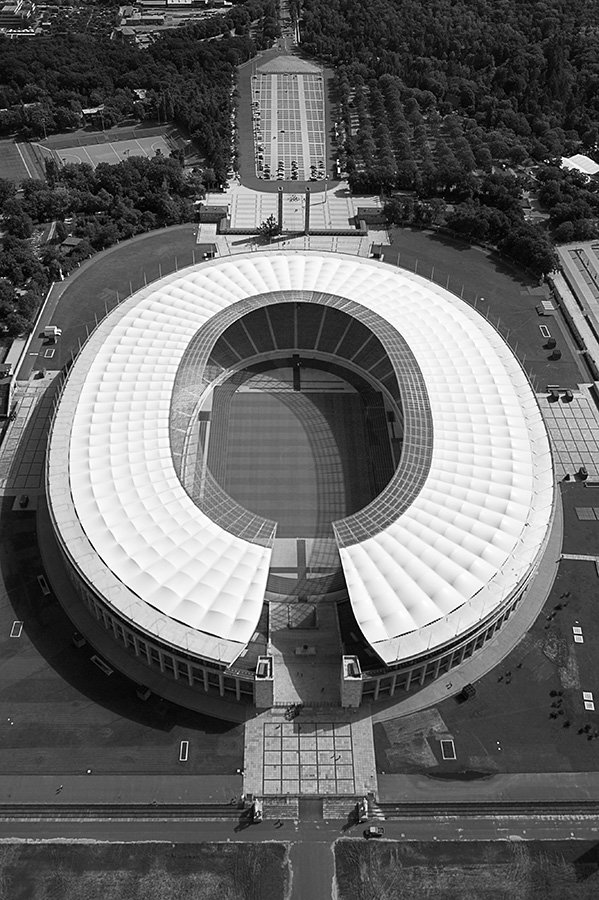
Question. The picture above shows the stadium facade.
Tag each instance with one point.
(180, 573)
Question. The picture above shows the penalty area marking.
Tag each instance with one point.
(448, 749)
(184, 751)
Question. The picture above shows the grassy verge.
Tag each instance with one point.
(148, 871)
(466, 871)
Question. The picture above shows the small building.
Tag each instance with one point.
(580, 163)
(68, 245)
(16, 14)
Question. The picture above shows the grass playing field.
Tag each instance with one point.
(16, 163)
(298, 458)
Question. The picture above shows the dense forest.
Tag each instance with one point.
(434, 99)
(186, 76)
(531, 66)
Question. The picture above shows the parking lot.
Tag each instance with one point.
(288, 118)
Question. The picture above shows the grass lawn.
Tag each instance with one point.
(148, 871)
(388, 870)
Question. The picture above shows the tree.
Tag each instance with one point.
(530, 246)
(269, 228)
(16, 220)
(7, 191)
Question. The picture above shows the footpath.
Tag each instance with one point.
(90, 789)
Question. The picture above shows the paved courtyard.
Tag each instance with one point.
(288, 118)
(327, 751)
(573, 427)
(308, 758)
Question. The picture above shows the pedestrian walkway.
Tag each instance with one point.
(307, 661)
(24, 446)
(526, 787)
(91, 789)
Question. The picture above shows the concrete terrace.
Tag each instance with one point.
(333, 209)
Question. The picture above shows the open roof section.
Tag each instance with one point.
(468, 540)
(417, 438)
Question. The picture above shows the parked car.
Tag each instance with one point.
(374, 831)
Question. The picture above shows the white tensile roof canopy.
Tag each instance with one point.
(460, 549)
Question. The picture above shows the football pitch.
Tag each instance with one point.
(298, 458)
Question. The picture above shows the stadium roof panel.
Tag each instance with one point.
(465, 542)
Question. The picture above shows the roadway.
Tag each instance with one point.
(176, 830)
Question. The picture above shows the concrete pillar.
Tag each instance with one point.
(280, 210)
(351, 682)
(264, 684)
(307, 213)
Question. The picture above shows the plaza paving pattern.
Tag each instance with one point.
(308, 758)
(573, 426)
(327, 751)
(289, 125)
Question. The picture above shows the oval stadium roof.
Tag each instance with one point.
(463, 545)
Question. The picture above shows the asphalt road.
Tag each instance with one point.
(483, 828)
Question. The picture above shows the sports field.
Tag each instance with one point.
(114, 151)
(298, 458)
(16, 162)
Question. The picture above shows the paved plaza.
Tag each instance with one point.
(573, 427)
(308, 758)
(288, 118)
(322, 751)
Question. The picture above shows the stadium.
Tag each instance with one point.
(300, 428)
